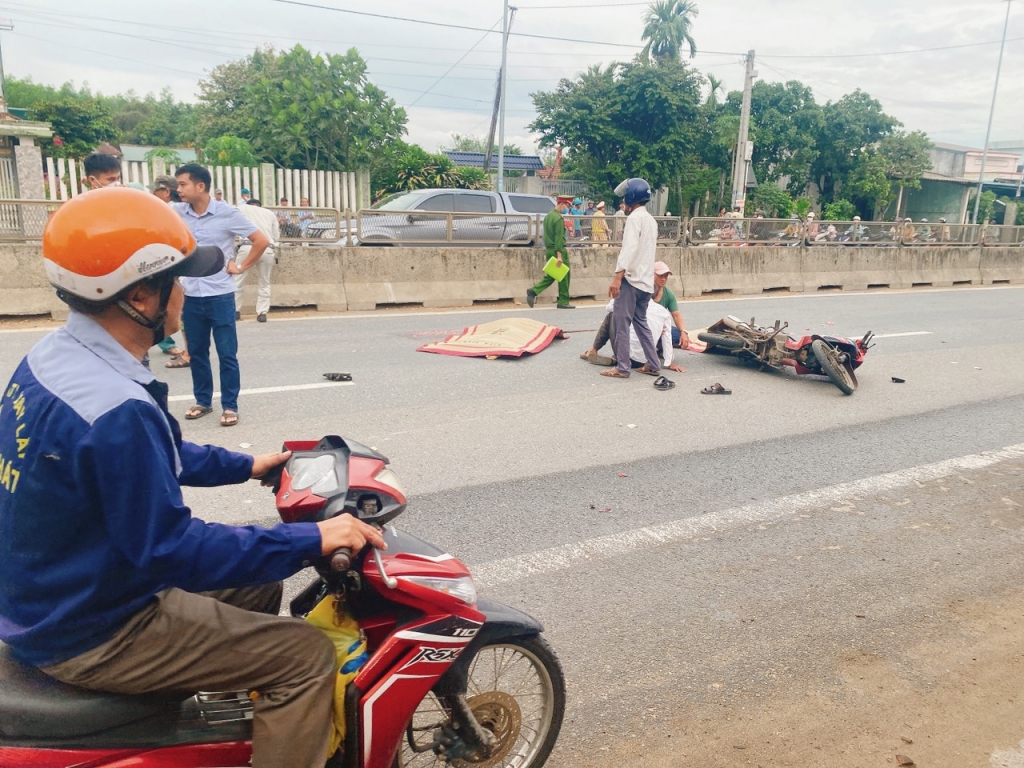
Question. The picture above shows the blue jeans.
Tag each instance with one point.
(205, 316)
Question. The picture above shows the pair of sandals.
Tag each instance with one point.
(227, 419)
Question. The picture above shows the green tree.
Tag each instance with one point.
(668, 27)
(627, 120)
(470, 143)
(906, 159)
(169, 156)
(319, 112)
(775, 202)
(225, 107)
(784, 125)
(849, 128)
(229, 150)
(868, 185)
(79, 125)
(838, 210)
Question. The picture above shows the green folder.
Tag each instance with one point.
(558, 273)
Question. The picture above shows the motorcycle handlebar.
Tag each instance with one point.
(341, 559)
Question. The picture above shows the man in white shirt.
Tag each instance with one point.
(659, 321)
(633, 284)
(268, 225)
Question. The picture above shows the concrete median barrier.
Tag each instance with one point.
(340, 279)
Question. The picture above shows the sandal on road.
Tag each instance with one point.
(198, 411)
(645, 369)
(663, 384)
(178, 362)
(229, 418)
(716, 389)
(615, 373)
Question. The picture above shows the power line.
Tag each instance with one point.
(453, 66)
(451, 26)
(882, 53)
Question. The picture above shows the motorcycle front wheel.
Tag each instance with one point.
(516, 691)
(834, 369)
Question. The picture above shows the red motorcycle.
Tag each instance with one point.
(831, 356)
(451, 678)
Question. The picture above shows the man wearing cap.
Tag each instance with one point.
(166, 188)
(218, 195)
(210, 301)
(554, 244)
(107, 580)
(246, 196)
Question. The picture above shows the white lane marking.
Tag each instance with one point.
(563, 557)
(272, 390)
(898, 335)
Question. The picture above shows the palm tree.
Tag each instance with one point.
(716, 86)
(667, 27)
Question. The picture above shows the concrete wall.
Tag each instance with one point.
(340, 279)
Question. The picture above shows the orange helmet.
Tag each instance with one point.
(99, 243)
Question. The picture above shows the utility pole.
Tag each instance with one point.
(506, 24)
(5, 24)
(991, 114)
(494, 125)
(744, 149)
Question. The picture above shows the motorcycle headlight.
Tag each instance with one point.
(316, 474)
(461, 588)
(387, 476)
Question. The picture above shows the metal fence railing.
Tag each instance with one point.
(24, 220)
(311, 225)
(925, 233)
(428, 227)
(874, 233)
(728, 231)
(1004, 236)
(597, 231)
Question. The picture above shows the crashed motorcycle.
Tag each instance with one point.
(814, 355)
(451, 679)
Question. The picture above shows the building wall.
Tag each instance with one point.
(933, 201)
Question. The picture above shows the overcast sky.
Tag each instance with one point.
(146, 45)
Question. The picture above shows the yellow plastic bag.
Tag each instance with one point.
(350, 649)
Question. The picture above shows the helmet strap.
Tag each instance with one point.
(155, 324)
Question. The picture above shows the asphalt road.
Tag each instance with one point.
(731, 598)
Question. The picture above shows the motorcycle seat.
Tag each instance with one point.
(35, 706)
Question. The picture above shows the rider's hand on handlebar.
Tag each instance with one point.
(347, 531)
(267, 461)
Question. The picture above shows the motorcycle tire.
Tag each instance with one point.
(832, 367)
(496, 709)
(720, 340)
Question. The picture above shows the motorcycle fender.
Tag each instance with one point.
(501, 623)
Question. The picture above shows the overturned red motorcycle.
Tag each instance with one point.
(814, 355)
(451, 679)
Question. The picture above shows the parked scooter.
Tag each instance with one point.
(451, 678)
(830, 356)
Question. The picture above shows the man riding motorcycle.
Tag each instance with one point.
(107, 581)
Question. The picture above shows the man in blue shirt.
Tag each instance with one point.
(210, 301)
(107, 581)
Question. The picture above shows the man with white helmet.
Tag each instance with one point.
(107, 581)
(633, 284)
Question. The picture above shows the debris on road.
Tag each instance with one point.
(898, 380)
(338, 376)
(904, 761)
(623, 474)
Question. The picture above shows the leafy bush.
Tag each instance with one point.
(840, 210)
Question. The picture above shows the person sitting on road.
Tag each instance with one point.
(659, 320)
(107, 581)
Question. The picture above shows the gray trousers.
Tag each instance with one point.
(630, 308)
(230, 640)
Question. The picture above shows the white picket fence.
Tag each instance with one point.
(339, 190)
